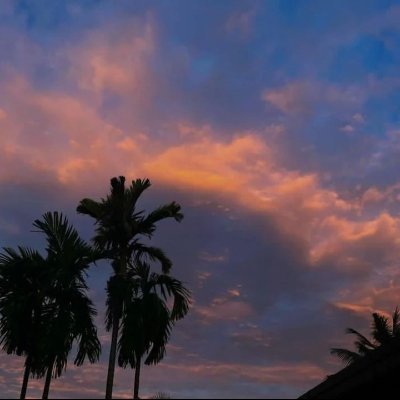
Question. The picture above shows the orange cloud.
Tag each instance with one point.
(234, 292)
(244, 170)
(356, 308)
(210, 165)
(127, 144)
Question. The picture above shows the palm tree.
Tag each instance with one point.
(383, 333)
(119, 227)
(43, 303)
(147, 320)
(71, 312)
(24, 281)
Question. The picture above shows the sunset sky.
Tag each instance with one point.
(276, 126)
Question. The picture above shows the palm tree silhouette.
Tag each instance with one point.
(71, 312)
(43, 303)
(147, 320)
(24, 282)
(118, 228)
(383, 333)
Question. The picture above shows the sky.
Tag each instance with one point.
(275, 124)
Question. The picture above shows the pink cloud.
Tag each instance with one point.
(295, 373)
(377, 295)
(205, 256)
(88, 381)
(224, 309)
(348, 129)
(302, 97)
(372, 195)
(251, 336)
(115, 58)
(293, 98)
(241, 22)
(358, 245)
(364, 310)
(358, 118)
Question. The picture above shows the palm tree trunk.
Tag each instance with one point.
(46, 389)
(114, 336)
(26, 378)
(137, 379)
(113, 355)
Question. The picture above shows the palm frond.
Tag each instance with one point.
(84, 328)
(132, 342)
(151, 253)
(147, 225)
(171, 287)
(158, 325)
(396, 323)
(345, 355)
(64, 245)
(90, 207)
(361, 338)
(134, 191)
(381, 331)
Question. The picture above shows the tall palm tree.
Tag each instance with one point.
(119, 227)
(24, 281)
(43, 303)
(383, 332)
(71, 312)
(147, 319)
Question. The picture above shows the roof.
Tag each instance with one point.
(378, 373)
